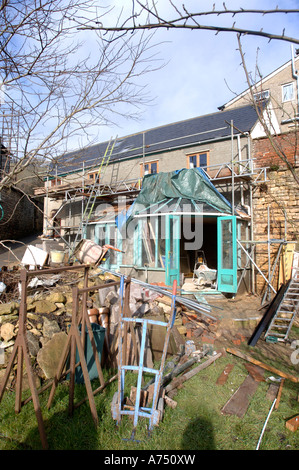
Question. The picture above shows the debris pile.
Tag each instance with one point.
(50, 307)
(49, 313)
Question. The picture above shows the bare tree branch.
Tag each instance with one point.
(189, 21)
(54, 87)
(267, 125)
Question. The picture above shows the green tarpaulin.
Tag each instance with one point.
(190, 184)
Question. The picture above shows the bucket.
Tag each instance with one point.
(88, 252)
(57, 256)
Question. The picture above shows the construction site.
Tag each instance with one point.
(175, 250)
(154, 318)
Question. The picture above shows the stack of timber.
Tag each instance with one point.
(189, 323)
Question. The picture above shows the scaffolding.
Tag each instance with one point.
(238, 174)
(9, 142)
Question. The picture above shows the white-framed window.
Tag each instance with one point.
(262, 95)
(287, 92)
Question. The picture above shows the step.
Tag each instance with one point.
(287, 312)
(276, 334)
(285, 304)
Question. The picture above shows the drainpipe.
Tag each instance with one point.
(232, 164)
(295, 75)
(249, 156)
(240, 163)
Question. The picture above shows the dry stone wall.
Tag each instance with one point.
(277, 197)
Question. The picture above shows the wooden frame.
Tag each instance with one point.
(55, 182)
(197, 155)
(92, 176)
(150, 165)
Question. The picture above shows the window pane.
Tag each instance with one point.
(161, 242)
(203, 160)
(192, 161)
(287, 92)
(154, 168)
(113, 242)
(227, 244)
(147, 246)
(263, 95)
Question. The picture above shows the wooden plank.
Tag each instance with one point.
(180, 380)
(279, 393)
(261, 364)
(272, 392)
(224, 375)
(170, 402)
(255, 372)
(142, 398)
(286, 260)
(239, 401)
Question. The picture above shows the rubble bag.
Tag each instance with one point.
(99, 336)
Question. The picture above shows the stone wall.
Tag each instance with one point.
(20, 216)
(278, 196)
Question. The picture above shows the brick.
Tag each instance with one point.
(208, 339)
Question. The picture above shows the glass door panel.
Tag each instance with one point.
(227, 254)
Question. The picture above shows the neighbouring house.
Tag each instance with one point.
(280, 90)
(149, 193)
(20, 210)
(275, 201)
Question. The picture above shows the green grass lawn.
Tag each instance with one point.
(195, 424)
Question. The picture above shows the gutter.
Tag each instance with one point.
(154, 152)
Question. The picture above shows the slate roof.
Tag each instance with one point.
(161, 139)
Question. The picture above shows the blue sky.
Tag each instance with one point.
(202, 70)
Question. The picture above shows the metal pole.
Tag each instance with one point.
(257, 267)
(268, 248)
(232, 163)
(264, 427)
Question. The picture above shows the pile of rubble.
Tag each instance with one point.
(49, 313)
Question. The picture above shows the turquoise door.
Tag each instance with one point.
(227, 254)
(172, 249)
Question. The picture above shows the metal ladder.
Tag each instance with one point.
(93, 194)
(281, 324)
(114, 173)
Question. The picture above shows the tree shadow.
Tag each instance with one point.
(198, 435)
